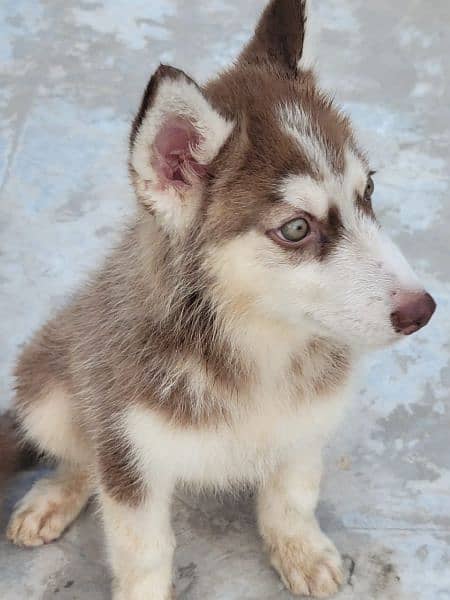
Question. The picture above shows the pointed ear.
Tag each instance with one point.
(280, 35)
(175, 136)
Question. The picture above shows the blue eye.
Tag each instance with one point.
(295, 231)
(370, 187)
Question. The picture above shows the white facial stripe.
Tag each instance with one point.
(304, 193)
(354, 181)
(355, 176)
(297, 123)
(316, 197)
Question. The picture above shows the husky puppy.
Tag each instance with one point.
(216, 347)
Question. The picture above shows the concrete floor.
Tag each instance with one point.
(72, 75)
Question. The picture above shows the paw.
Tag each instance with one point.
(308, 566)
(42, 515)
(34, 525)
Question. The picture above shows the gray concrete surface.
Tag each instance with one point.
(72, 75)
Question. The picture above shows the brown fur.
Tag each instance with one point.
(110, 349)
(182, 360)
(118, 473)
(43, 363)
(123, 337)
(332, 230)
(279, 36)
(243, 175)
(335, 366)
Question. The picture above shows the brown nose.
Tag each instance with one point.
(414, 310)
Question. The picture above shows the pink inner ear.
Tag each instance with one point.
(173, 160)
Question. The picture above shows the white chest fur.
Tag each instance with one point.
(242, 452)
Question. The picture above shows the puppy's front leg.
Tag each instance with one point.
(305, 558)
(141, 543)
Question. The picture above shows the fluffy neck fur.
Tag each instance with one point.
(200, 351)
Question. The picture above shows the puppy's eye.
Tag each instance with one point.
(370, 187)
(294, 231)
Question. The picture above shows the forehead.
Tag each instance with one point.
(332, 171)
(295, 146)
(336, 169)
(317, 195)
(289, 122)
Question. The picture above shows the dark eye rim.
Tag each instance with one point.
(370, 186)
(277, 236)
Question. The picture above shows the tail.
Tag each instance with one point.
(15, 454)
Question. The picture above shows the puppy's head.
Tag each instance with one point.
(263, 175)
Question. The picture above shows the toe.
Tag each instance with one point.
(308, 569)
(325, 580)
(292, 577)
(24, 530)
